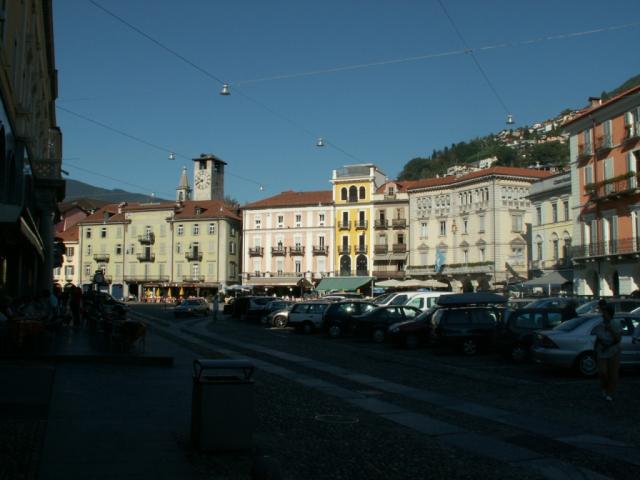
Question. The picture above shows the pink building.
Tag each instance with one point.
(288, 240)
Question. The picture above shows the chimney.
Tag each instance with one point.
(594, 102)
(121, 206)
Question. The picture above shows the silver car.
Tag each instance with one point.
(571, 344)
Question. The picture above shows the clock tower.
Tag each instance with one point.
(208, 177)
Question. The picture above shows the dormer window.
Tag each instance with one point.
(198, 211)
(391, 191)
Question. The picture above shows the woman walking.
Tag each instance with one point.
(607, 349)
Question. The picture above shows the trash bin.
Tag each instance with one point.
(222, 406)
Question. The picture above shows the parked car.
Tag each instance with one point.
(107, 304)
(276, 304)
(250, 307)
(467, 321)
(344, 295)
(619, 305)
(279, 317)
(191, 307)
(571, 344)
(425, 300)
(307, 316)
(556, 302)
(338, 318)
(376, 322)
(518, 331)
(411, 333)
(394, 298)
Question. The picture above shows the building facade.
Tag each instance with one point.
(605, 161)
(472, 227)
(391, 231)
(288, 240)
(353, 189)
(551, 225)
(30, 147)
(69, 271)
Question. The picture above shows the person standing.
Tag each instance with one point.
(607, 347)
(216, 307)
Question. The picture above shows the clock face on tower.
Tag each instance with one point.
(202, 180)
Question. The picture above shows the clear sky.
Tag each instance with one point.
(385, 114)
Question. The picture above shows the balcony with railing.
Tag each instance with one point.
(344, 249)
(101, 257)
(631, 132)
(399, 248)
(361, 224)
(146, 257)
(380, 249)
(626, 184)
(585, 150)
(193, 256)
(351, 273)
(279, 250)
(361, 248)
(469, 268)
(399, 223)
(622, 246)
(604, 143)
(380, 224)
(192, 278)
(320, 250)
(276, 274)
(256, 251)
(344, 225)
(149, 278)
(296, 250)
(147, 238)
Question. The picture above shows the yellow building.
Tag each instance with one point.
(353, 190)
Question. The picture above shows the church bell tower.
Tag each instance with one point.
(208, 177)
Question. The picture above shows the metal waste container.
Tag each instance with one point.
(222, 406)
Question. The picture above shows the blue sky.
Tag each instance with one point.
(385, 114)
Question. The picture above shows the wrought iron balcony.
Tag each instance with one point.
(399, 248)
(380, 224)
(604, 143)
(101, 257)
(296, 250)
(256, 251)
(193, 278)
(344, 249)
(146, 257)
(614, 187)
(361, 224)
(344, 225)
(622, 246)
(320, 250)
(380, 248)
(585, 150)
(399, 223)
(146, 278)
(631, 132)
(279, 250)
(193, 256)
(147, 238)
(361, 248)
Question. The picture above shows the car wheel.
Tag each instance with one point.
(307, 328)
(586, 364)
(378, 335)
(335, 331)
(519, 353)
(411, 341)
(280, 321)
(469, 347)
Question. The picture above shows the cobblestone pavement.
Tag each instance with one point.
(348, 408)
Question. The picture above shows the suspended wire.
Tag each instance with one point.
(416, 58)
(473, 56)
(157, 42)
(145, 142)
(218, 79)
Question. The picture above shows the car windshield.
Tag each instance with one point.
(572, 324)
(382, 298)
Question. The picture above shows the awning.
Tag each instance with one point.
(342, 283)
(14, 215)
(553, 279)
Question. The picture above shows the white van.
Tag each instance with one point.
(395, 298)
(425, 300)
